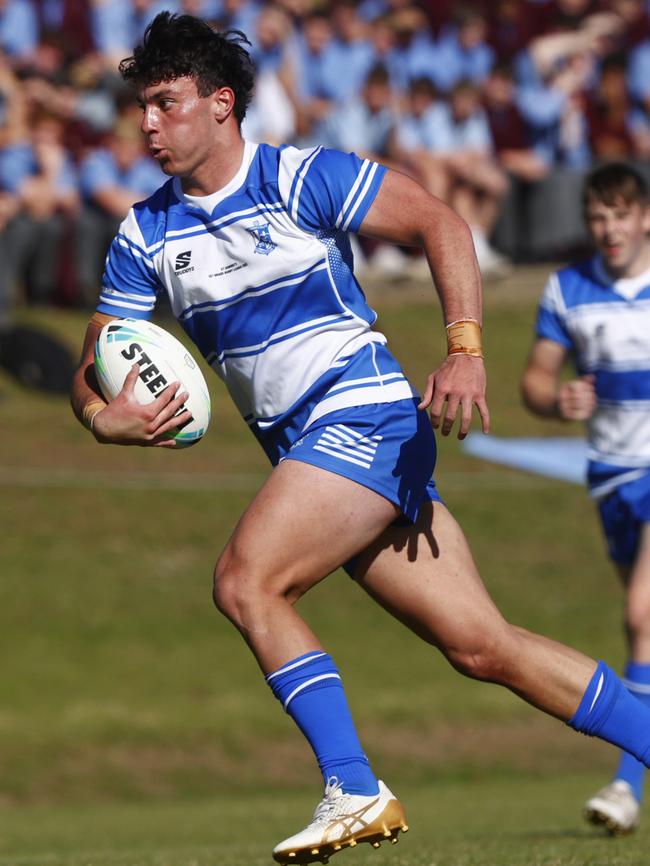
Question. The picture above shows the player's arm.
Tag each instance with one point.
(123, 421)
(543, 392)
(405, 213)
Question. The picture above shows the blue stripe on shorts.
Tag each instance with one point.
(622, 513)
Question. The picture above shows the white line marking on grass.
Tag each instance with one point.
(42, 477)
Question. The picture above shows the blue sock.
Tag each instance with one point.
(311, 692)
(607, 710)
(637, 681)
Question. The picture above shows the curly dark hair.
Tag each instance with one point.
(175, 46)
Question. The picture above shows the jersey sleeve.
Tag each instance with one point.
(130, 285)
(328, 189)
(551, 315)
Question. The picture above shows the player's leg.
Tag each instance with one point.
(426, 577)
(625, 514)
(617, 805)
(304, 522)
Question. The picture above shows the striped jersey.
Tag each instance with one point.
(259, 274)
(605, 324)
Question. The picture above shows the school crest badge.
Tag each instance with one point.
(261, 234)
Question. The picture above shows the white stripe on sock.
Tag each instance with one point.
(597, 695)
(309, 683)
(291, 665)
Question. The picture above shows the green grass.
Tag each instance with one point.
(134, 725)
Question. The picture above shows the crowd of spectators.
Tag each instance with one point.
(465, 96)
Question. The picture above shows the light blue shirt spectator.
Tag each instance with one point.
(100, 170)
(117, 27)
(346, 66)
(420, 58)
(19, 29)
(469, 134)
(543, 109)
(639, 71)
(314, 71)
(354, 127)
(457, 63)
(430, 131)
(18, 163)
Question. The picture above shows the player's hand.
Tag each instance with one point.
(125, 421)
(460, 383)
(576, 400)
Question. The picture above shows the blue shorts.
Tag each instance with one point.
(622, 513)
(388, 447)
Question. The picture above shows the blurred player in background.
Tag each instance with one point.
(251, 244)
(598, 312)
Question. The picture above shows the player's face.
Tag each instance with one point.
(620, 234)
(181, 127)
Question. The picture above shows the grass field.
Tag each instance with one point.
(135, 729)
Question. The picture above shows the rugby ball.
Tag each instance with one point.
(163, 360)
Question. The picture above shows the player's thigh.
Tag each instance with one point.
(425, 575)
(302, 525)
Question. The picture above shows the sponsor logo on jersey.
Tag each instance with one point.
(261, 234)
(182, 262)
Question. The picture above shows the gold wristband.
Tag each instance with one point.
(464, 338)
(89, 411)
(100, 319)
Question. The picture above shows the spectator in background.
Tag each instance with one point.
(508, 129)
(476, 184)
(19, 28)
(274, 80)
(616, 129)
(511, 26)
(37, 171)
(553, 110)
(352, 50)
(464, 53)
(418, 135)
(415, 54)
(112, 179)
(311, 88)
(364, 123)
(638, 73)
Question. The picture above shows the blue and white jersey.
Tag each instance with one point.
(259, 275)
(605, 324)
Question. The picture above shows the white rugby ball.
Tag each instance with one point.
(163, 360)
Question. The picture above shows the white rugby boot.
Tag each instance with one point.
(614, 807)
(341, 821)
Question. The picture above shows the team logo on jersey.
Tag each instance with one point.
(182, 262)
(261, 234)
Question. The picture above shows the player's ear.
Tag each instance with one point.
(223, 103)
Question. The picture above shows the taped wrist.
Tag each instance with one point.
(464, 337)
(90, 410)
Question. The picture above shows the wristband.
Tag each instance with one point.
(89, 411)
(100, 319)
(464, 338)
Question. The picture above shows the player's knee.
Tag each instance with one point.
(481, 658)
(637, 617)
(231, 589)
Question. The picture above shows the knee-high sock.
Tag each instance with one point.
(636, 680)
(607, 710)
(311, 692)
